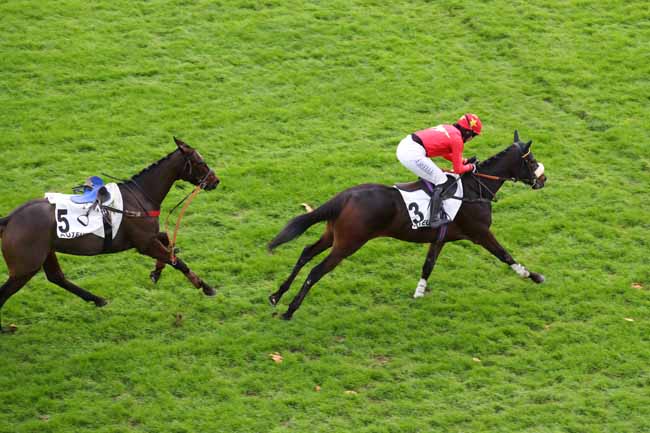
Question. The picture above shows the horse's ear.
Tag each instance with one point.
(526, 146)
(516, 136)
(181, 144)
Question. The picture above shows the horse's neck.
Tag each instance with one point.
(499, 167)
(156, 180)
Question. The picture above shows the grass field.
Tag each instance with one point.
(291, 102)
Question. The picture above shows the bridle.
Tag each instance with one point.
(533, 175)
(188, 167)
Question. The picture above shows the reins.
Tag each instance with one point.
(491, 177)
(482, 185)
(188, 198)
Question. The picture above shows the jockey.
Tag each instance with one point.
(446, 141)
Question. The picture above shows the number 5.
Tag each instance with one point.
(60, 217)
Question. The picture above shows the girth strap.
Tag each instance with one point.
(108, 230)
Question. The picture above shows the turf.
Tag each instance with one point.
(291, 102)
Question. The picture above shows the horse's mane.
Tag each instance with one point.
(495, 158)
(153, 165)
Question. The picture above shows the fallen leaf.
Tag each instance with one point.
(12, 327)
(307, 207)
(476, 359)
(44, 417)
(637, 286)
(276, 357)
(178, 320)
(547, 327)
(317, 388)
(628, 319)
(383, 360)
(350, 392)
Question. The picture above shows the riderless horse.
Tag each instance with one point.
(29, 233)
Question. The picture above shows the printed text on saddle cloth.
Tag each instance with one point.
(417, 204)
(74, 220)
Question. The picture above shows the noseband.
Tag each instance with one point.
(534, 175)
(189, 164)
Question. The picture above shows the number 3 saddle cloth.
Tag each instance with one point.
(418, 200)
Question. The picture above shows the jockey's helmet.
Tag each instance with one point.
(471, 122)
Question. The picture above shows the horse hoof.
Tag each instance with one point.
(101, 302)
(538, 278)
(209, 291)
(286, 316)
(420, 289)
(155, 276)
(9, 330)
(273, 300)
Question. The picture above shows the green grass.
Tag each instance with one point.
(291, 102)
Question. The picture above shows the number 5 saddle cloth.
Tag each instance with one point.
(78, 219)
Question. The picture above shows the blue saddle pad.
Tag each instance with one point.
(94, 186)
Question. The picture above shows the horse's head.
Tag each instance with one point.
(530, 171)
(195, 170)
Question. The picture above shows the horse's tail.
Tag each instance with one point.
(299, 224)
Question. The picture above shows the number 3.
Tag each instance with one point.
(416, 210)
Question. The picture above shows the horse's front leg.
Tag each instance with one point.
(160, 252)
(427, 268)
(489, 242)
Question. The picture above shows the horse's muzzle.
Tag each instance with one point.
(211, 183)
(540, 177)
(539, 182)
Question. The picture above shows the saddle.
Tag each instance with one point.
(91, 191)
(448, 188)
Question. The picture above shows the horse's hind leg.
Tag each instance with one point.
(308, 253)
(10, 287)
(427, 268)
(338, 253)
(55, 275)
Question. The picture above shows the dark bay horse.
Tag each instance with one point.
(364, 212)
(29, 233)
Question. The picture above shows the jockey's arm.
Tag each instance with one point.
(457, 159)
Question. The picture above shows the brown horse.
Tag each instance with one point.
(363, 212)
(29, 233)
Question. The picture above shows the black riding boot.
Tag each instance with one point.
(434, 209)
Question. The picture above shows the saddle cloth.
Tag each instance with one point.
(418, 202)
(71, 220)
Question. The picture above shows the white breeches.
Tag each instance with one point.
(414, 157)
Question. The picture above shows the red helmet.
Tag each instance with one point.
(472, 122)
